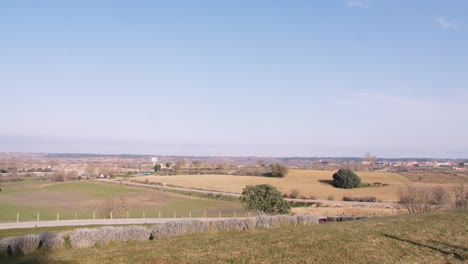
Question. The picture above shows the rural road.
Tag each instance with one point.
(237, 194)
(84, 222)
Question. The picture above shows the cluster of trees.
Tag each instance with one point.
(424, 198)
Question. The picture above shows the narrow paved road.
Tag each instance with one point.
(237, 194)
(84, 222)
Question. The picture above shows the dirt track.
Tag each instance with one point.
(132, 221)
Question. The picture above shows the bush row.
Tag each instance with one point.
(372, 199)
(88, 237)
(27, 244)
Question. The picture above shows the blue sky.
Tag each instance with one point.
(257, 78)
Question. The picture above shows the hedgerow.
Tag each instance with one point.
(88, 237)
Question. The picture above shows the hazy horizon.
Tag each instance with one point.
(245, 78)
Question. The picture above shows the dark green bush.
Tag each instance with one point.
(346, 179)
(264, 198)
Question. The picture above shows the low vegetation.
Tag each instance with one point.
(372, 199)
(82, 199)
(88, 237)
(279, 170)
(346, 179)
(264, 198)
(424, 198)
(316, 183)
(439, 237)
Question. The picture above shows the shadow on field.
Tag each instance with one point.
(450, 245)
(329, 182)
(38, 257)
(30, 259)
(456, 255)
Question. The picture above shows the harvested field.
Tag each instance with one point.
(316, 183)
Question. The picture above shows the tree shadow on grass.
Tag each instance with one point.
(329, 182)
(456, 255)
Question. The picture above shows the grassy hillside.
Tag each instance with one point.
(30, 197)
(315, 183)
(440, 237)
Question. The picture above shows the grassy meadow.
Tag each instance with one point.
(310, 183)
(440, 237)
(82, 198)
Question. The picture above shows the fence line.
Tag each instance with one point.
(153, 214)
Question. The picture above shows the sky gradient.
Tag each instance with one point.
(235, 78)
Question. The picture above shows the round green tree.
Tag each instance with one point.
(346, 179)
(264, 198)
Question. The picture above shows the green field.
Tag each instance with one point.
(440, 237)
(81, 199)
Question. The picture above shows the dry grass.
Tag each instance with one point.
(88, 237)
(308, 182)
(440, 237)
(435, 177)
(28, 198)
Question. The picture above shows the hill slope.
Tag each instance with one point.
(440, 237)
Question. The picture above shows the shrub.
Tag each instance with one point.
(250, 223)
(263, 221)
(176, 228)
(264, 198)
(372, 199)
(279, 170)
(231, 224)
(307, 219)
(9, 245)
(51, 240)
(331, 198)
(294, 193)
(28, 243)
(287, 220)
(346, 179)
(87, 237)
(11, 179)
(84, 237)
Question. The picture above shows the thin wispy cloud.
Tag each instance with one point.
(359, 3)
(376, 100)
(443, 22)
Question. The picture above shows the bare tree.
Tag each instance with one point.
(369, 161)
(117, 206)
(90, 170)
(422, 198)
(458, 197)
(197, 165)
(178, 165)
